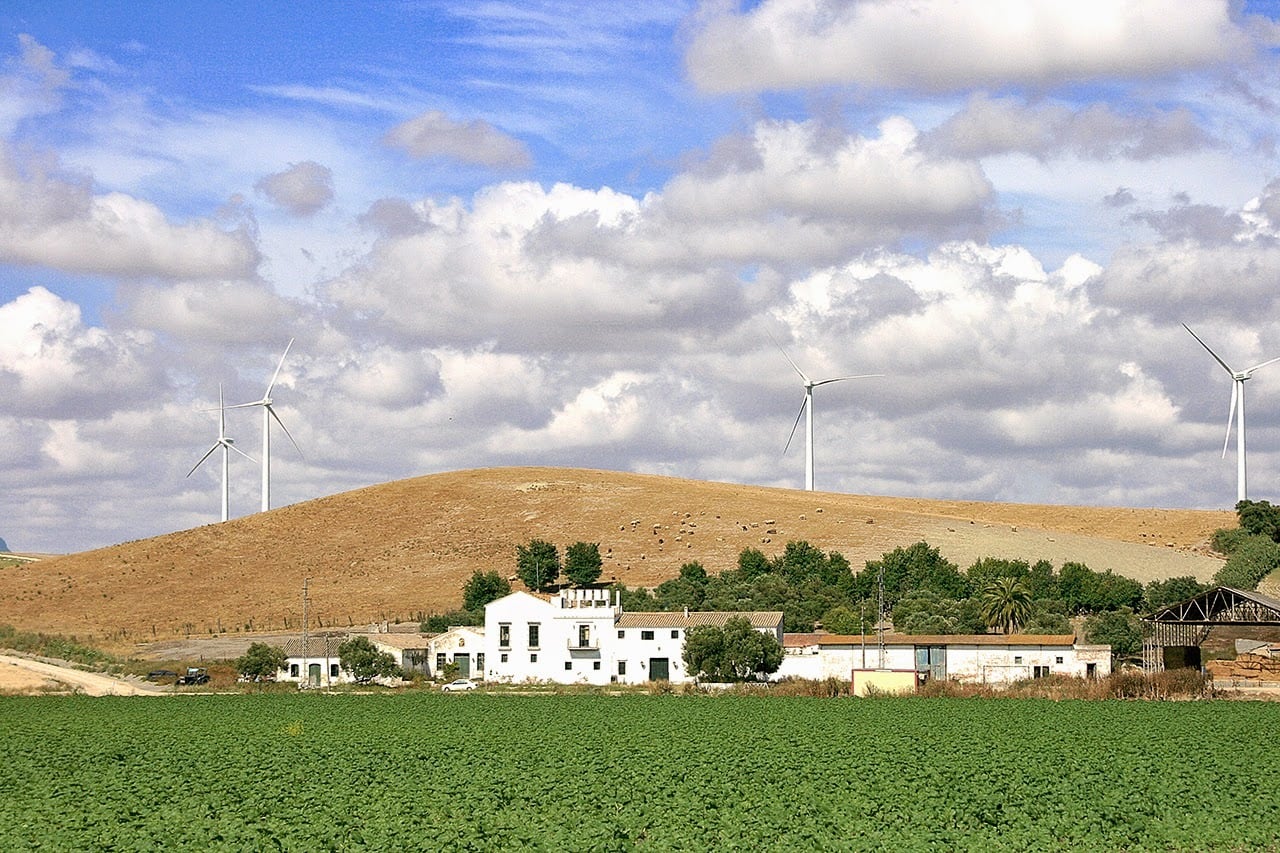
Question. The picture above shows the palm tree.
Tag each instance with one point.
(1006, 604)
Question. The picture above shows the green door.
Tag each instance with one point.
(313, 674)
(659, 669)
(464, 665)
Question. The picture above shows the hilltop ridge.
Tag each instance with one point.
(400, 549)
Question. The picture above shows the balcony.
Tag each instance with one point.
(584, 643)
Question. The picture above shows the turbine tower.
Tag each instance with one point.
(806, 408)
(269, 414)
(227, 445)
(1235, 412)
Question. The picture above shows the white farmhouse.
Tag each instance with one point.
(973, 658)
(581, 636)
(316, 665)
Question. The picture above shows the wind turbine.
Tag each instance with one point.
(806, 408)
(1235, 412)
(268, 414)
(227, 445)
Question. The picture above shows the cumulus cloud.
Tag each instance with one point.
(989, 126)
(53, 365)
(49, 221)
(302, 189)
(434, 134)
(943, 46)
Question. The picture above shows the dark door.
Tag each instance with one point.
(464, 665)
(659, 669)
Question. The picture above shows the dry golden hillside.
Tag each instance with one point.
(403, 548)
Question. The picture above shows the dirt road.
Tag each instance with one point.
(23, 675)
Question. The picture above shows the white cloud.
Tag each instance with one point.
(433, 134)
(945, 46)
(302, 189)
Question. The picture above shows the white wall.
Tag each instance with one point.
(572, 644)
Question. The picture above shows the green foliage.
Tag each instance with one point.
(53, 646)
(1048, 616)
(1119, 629)
(482, 588)
(1253, 559)
(988, 569)
(1006, 604)
(538, 564)
(1086, 591)
(438, 623)
(261, 662)
(754, 773)
(752, 563)
(914, 568)
(1227, 539)
(364, 661)
(582, 563)
(1259, 518)
(1159, 594)
(843, 619)
(926, 612)
(689, 590)
(736, 652)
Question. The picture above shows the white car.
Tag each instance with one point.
(460, 684)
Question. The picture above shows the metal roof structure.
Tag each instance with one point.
(1189, 622)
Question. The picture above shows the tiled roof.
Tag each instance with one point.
(679, 619)
(800, 640)
(402, 641)
(317, 647)
(950, 640)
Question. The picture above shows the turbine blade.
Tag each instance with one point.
(276, 375)
(796, 425)
(216, 445)
(794, 366)
(1231, 416)
(276, 417)
(244, 405)
(222, 414)
(242, 453)
(1225, 366)
(844, 378)
(1264, 364)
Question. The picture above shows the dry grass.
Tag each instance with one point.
(402, 549)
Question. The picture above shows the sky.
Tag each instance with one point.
(584, 234)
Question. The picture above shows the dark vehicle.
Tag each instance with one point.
(194, 675)
(162, 675)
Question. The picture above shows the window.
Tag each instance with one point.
(675, 635)
(622, 635)
(1017, 658)
(533, 635)
(502, 658)
(646, 635)
(504, 636)
(293, 670)
(1058, 659)
(440, 660)
(480, 661)
(568, 665)
(333, 670)
(1039, 671)
(533, 658)
(595, 664)
(622, 667)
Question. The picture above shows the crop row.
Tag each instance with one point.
(612, 773)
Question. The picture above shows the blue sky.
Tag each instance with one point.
(565, 233)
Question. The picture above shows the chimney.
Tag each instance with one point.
(686, 613)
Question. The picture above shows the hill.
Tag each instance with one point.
(401, 549)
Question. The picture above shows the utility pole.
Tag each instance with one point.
(306, 675)
(880, 608)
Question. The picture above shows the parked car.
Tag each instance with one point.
(162, 675)
(460, 684)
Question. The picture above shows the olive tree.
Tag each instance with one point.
(261, 662)
(362, 659)
(538, 564)
(736, 652)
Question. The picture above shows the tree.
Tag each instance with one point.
(1252, 561)
(362, 659)
(1159, 594)
(752, 562)
(1006, 604)
(1259, 518)
(926, 612)
(438, 623)
(1118, 629)
(538, 564)
(736, 652)
(261, 662)
(482, 588)
(582, 563)
(911, 569)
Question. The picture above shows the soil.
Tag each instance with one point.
(399, 551)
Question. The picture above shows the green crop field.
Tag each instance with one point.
(313, 772)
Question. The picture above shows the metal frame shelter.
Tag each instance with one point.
(1188, 623)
